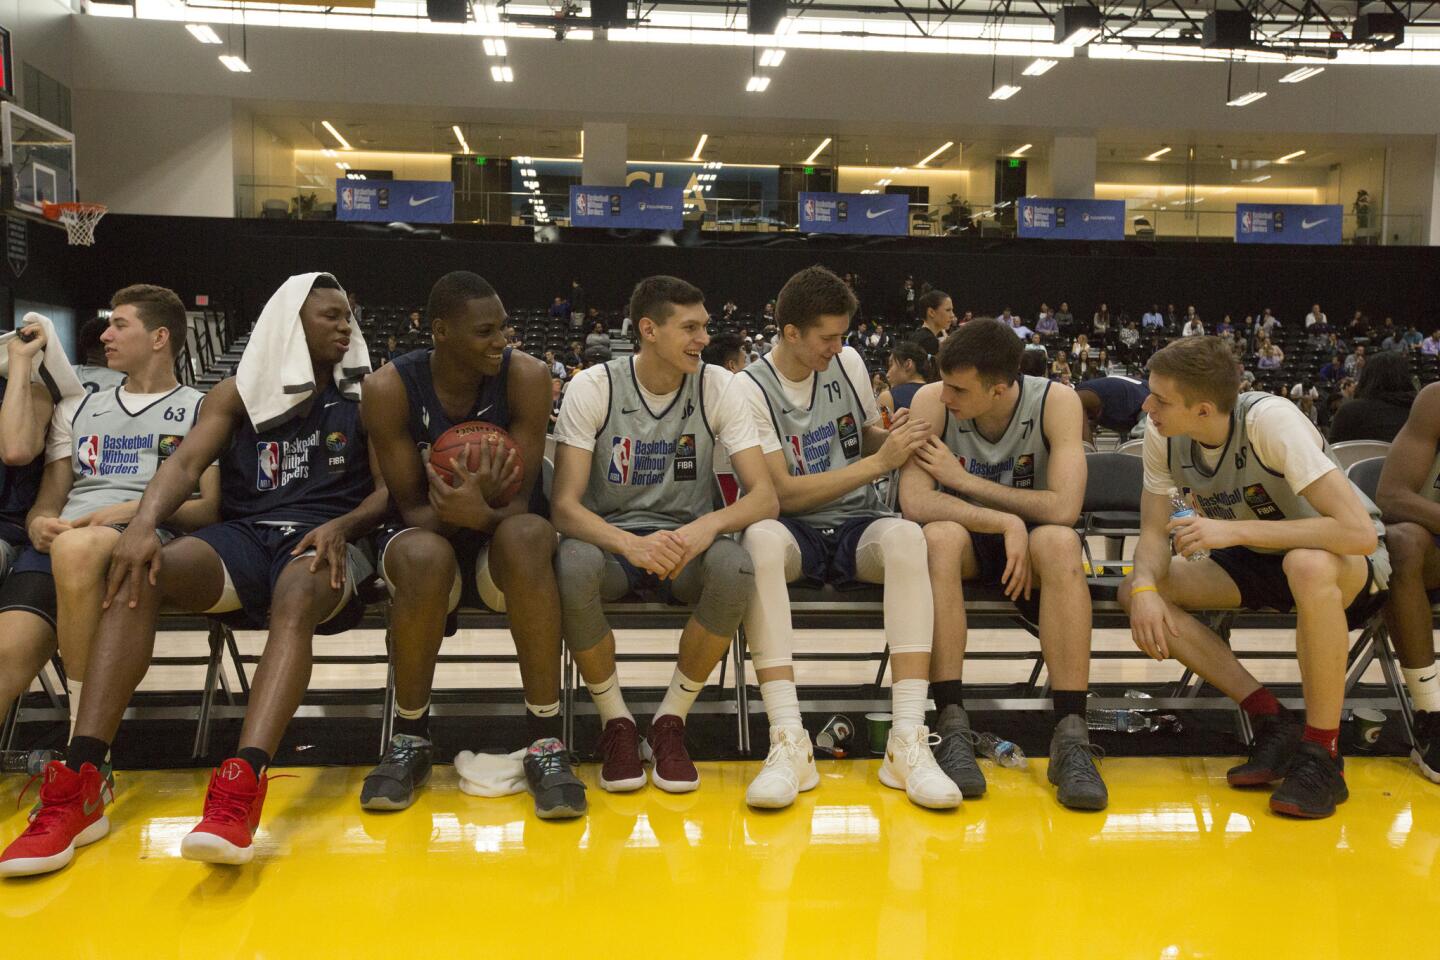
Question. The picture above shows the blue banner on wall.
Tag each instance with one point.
(1059, 219)
(1288, 222)
(882, 214)
(405, 201)
(642, 207)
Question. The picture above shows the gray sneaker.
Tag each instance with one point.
(956, 752)
(1072, 766)
(404, 769)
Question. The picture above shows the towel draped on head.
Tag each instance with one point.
(276, 378)
(51, 367)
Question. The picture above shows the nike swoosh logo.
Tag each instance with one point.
(90, 808)
(785, 413)
(416, 202)
(1429, 678)
(1307, 224)
(872, 214)
(330, 404)
(485, 411)
(630, 411)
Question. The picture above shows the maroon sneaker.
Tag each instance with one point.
(665, 745)
(620, 767)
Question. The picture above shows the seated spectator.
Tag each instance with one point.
(1224, 326)
(1268, 322)
(1387, 330)
(598, 339)
(1060, 368)
(1194, 327)
(1334, 371)
(1431, 344)
(1100, 324)
(571, 356)
(878, 339)
(1018, 326)
(560, 309)
(1356, 361)
(858, 336)
(415, 324)
(1413, 338)
(1172, 318)
(1036, 345)
(1394, 341)
(1045, 323)
(1080, 348)
(1316, 315)
(1359, 325)
(1153, 319)
(1064, 319)
(1381, 404)
(557, 369)
(392, 349)
(1129, 337)
(1271, 357)
(557, 392)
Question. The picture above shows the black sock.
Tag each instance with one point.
(945, 693)
(418, 727)
(257, 758)
(85, 750)
(544, 728)
(1068, 702)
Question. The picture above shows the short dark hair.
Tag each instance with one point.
(1204, 368)
(655, 297)
(1386, 376)
(1033, 363)
(87, 340)
(722, 348)
(158, 307)
(909, 350)
(987, 345)
(931, 300)
(813, 293)
(451, 292)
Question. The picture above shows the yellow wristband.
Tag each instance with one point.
(1135, 590)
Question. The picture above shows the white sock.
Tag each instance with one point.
(1424, 686)
(907, 703)
(680, 696)
(74, 705)
(543, 709)
(609, 700)
(782, 703)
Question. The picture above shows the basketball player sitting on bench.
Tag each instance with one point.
(1409, 493)
(99, 465)
(825, 449)
(454, 545)
(292, 495)
(1283, 528)
(634, 498)
(999, 488)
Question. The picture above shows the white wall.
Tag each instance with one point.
(156, 153)
(1411, 203)
(40, 34)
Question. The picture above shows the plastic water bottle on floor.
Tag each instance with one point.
(29, 762)
(1179, 510)
(1003, 752)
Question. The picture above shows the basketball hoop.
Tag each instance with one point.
(79, 220)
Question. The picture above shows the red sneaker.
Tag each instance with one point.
(620, 767)
(232, 812)
(71, 814)
(665, 745)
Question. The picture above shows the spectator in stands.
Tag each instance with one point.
(1060, 368)
(559, 310)
(1037, 345)
(355, 309)
(1017, 326)
(1153, 319)
(1304, 389)
(1129, 338)
(858, 336)
(1065, 320)
(1270, 357)
(878, 384)
(1100, 324)
(1007, 317)
(577, 303)
(512, 336)
(1394, 341)
(965, 318)
(1080, 348)
(1194, 327)
(1224, 326)
(907, 298)
(392, 349)
(1381, 404)
(557, 393)
(1430, 346)
(1388, 331)
(768, 314)
(1268, 322)
(1172, 317)
(1046, 325)
(878, 339)
(936, 313)
(1356, 361)
(1413, 338)
(726, 350)
(1316, 315)
(1334, 371)
(1359, 325)
(557, 369)
(1102, 363)
(598, 339)
(415, 322)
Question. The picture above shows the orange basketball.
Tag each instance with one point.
(448, 446)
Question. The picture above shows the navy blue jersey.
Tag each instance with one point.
(308, 470)
(1120, 400)
(18, 486)
(427, 418)
(903, 394)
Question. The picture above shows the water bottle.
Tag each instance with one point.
(29, 762)
(1119, 721)
(1179, 510)
(1003, 752)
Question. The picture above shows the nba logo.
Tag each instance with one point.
(580, 204)
(1028, 214)
(620, 460)
(267, 465)
(1245, 223)
(810, 210)
(798, 453)
(87, 455)
(347, 199)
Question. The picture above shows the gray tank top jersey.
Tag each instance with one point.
(651, 471)
(115, 451)
(1241, 486)
(827, 435)
(95, 379)
(1021, 456)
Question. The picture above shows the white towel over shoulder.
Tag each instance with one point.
(53, 370)
(276, 377)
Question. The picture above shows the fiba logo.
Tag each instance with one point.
(335, 441)
(620, 460)
(641, 205)
(87, 455)
(267, 465)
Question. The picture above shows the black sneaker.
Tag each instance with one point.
(1271, 753)
(559, 794)
(1072, 767)
(956, 751)
(1314, 785)
(1426, 751)
(404, 769)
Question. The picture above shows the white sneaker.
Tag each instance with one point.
(789, 769)
(910, 766)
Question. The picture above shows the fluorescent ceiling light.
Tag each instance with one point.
(202, 33)
(897, 169)
(700, 146)
(1159, 153)
(234, 64)
(1260, 179)
(757, 84)
(1039, 68)
(1302, 73)
(1245, 99)
(772, 58)
(464, 144)
(344, 144)
(941, 149)
(816, 152)
(1290, 156)
(343, 165)
(328, 152)
(884, 182)
(1020, 150)
(495, 47)
(1004, 92)
(502, 74)
(1076, 25)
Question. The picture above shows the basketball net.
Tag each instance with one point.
(79, 220)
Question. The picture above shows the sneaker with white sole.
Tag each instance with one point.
(910, 766)
(789, 770)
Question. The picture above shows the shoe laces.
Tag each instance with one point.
(919, 751)
(612, 736)
(667, 739)
(955, 743)
(1075, 756)
(223, 802)
(1310, 771)
(554, 760)
(784, 753)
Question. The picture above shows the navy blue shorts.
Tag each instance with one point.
(643, 583)
(467, 545)
(1261, 580)
(828, 555)
(13, 534)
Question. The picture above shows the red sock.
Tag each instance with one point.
(1261, 703)
(1329, 739)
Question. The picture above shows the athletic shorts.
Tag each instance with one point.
(991, 558)
(473, 586)
(31, 584)
(827, 555)
(1261, 580)
(253, 554)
